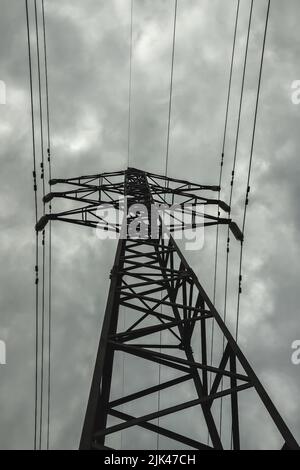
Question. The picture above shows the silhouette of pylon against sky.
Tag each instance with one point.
(169, 318)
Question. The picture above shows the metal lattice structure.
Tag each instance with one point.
(152, 280)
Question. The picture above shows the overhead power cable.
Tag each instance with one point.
(166, 174)
(232, 185)
(50, 230)
(128, 164)
(250, 165)
(130, 83)
(171, 87)
(221, 171)
(36, 233)
(43, 235)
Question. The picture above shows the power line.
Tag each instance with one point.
(159, 383)
(128, 163)
(166, 173)
(232, 185)
(50, 229)
(44, 238)
(220, 182)
(46, 84)
(123, 374)
(221, 170)
(171, 87)
(36, 236)
(250, 164)
(130, 82)
(40, 95)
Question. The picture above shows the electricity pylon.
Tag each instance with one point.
(163, 298)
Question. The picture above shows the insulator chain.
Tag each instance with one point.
(34, 182)
(247, 196)
(228, 244)
(240, 284)
(36, 275)
(222, 159)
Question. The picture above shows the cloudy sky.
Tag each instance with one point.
(88, 58)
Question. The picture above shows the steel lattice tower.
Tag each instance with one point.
(153, 281)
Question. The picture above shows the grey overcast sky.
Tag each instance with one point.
(88, 58)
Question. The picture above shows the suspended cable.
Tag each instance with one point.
(40, 96)
(166, 174)
(159, 383)
(43, 235)
(220, 185)
(36, 234)
(128, 164)
(47, 85)
(171, 88)
(221, 172)
(250, 164)
(123, 375)
(232, 187)
(50, 230)
(130, 83)
(49, 335)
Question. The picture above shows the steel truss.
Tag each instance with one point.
(153, 281)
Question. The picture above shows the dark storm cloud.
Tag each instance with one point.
(88, 54)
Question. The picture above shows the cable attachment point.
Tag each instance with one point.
(224, 207)
(36, 270)
(232, 178)
(34, 181)
(240, 284)
(222, 159)
(236, 231)
(247, 196)
(40, 226)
